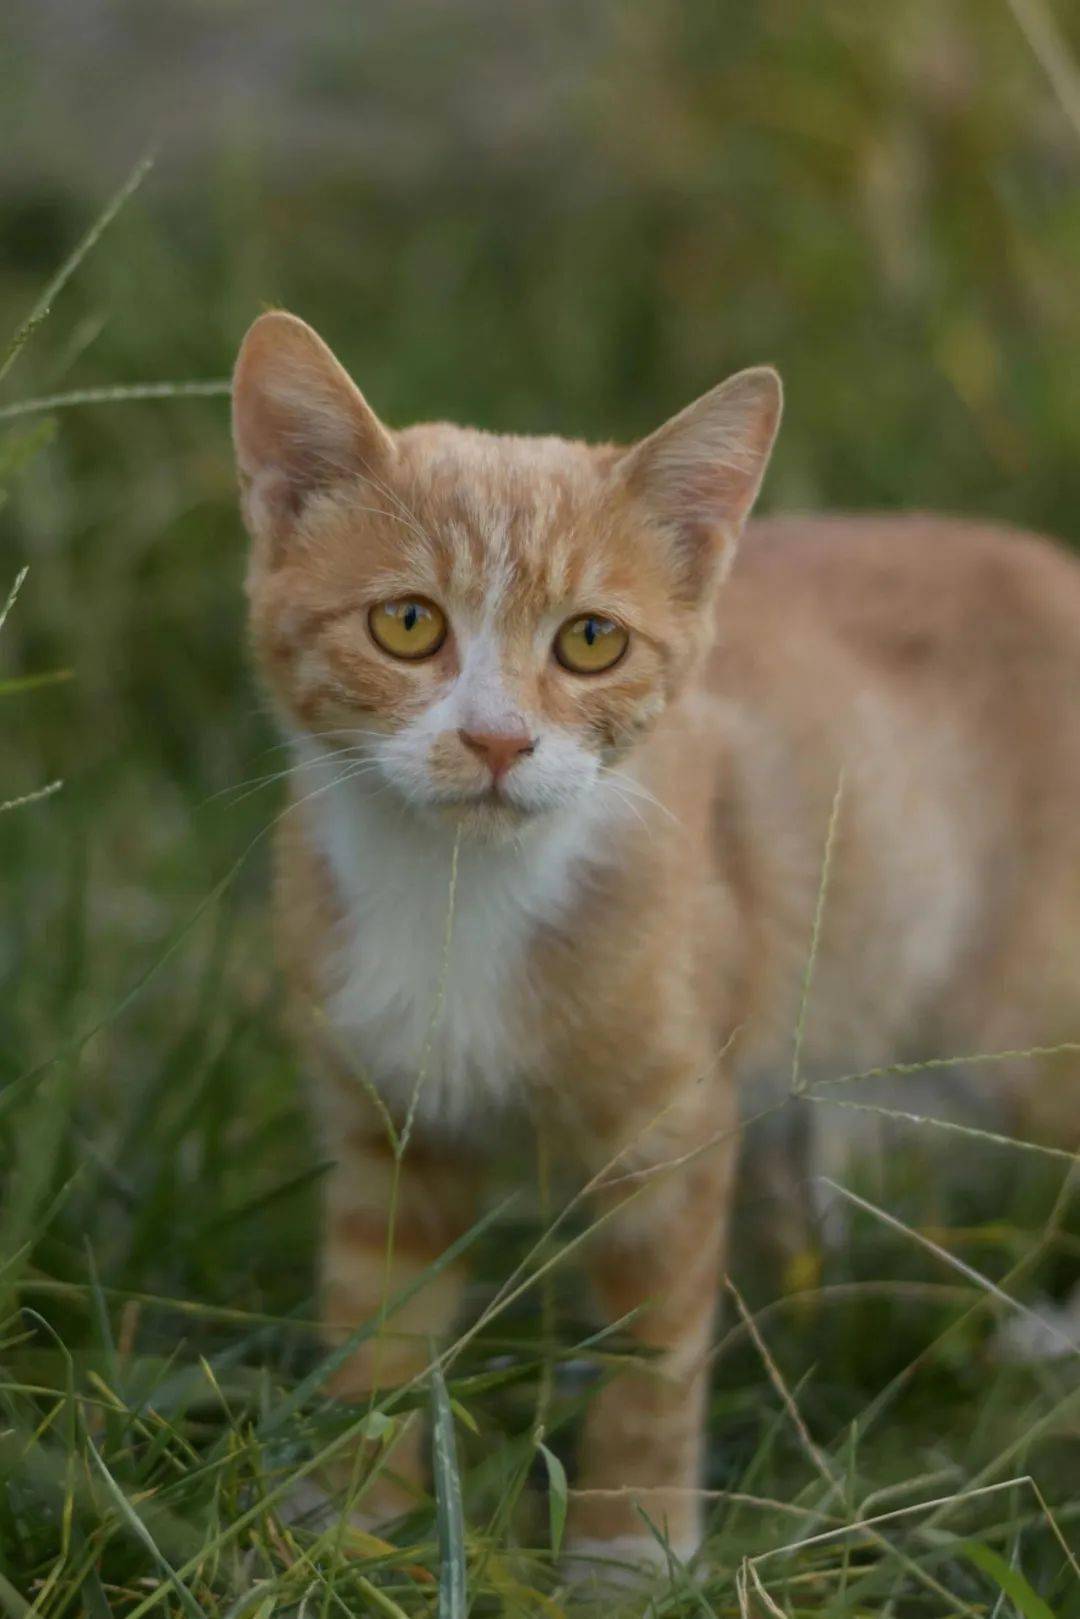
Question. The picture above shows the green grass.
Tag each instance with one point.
(159, 1368)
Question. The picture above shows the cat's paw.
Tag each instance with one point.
(620, 1562)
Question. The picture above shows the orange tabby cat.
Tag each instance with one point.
(511, 697)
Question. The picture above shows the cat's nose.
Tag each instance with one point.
(500, 750)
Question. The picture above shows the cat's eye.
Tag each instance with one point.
(590, 644)
(408, 628)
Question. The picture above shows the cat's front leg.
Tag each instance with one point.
(655, 1256)
(385, 1224)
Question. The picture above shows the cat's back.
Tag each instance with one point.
(976, 622)
(920, 594)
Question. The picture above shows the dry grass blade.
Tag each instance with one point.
(993, 1136)
(816, 1455)
(748, 1576)
(1021, 1444)
(1070, 1554)
(973, 1059)
(13, 594)
(101, 224)
(440, 997)
(844, 1292)
(119, 395)
(797, 1081)
(954, 1262)
(1037, 24)
(34, 797)
(862, 1525)
(10, 688)
(821, 1462)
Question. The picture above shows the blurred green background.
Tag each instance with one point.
(562, 217)
(565, 216)
(559, 217)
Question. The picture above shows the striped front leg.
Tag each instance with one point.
(385, 1224)
(657, 1254)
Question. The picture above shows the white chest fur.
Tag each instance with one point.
(428, 990)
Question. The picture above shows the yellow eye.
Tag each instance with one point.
(409, 628)
(590, 644)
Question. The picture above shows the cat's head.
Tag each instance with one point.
(485, 622)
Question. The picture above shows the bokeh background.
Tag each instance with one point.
(566, 216)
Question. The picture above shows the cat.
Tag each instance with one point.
(568, 758)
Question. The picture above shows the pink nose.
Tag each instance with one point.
(498, 749)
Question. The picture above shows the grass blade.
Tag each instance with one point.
(34, 797)
(1010, 1580)
(60, 280)
(18, 684)
(116, 394)
(556, 1473)
(139, 1529)
(13, 595)
(449, 1514)
(310, 1385)
(11, 1602)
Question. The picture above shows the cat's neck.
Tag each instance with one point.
(432, 956)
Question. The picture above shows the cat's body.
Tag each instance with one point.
(905, 661)
(612, 927)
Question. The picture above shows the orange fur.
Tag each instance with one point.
(633, 904)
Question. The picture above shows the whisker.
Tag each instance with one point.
(357, 768)
(392, 494)
(367, 768)
(338, 730)
(628, 804)
(325, 787)
(395, 517)
(278, 775)
(634, 789)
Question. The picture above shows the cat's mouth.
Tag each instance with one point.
(487, 813)
(492, 797)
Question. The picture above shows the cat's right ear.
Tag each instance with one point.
(300, 424)
(698, 476)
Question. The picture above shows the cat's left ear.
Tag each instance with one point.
(699, 475)
(300, 423)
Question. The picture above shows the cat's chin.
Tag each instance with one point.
(487, 819)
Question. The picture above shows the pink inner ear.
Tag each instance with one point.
(299, 422)
(703, 468)
(699, 474)
(261, 442)
(308, 432)
(703, 553)
(712, 497)
(283, 462)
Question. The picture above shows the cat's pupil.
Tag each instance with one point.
(592, 630)
(412, 613)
